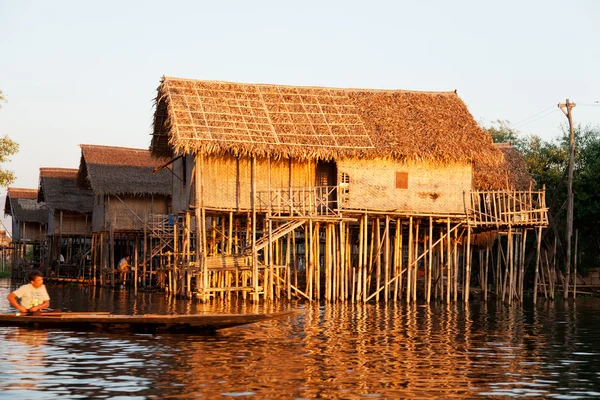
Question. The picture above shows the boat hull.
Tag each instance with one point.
(147, 323)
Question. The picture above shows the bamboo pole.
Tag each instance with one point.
(309, 260)
(410, 260)
(448, 261)
(430, 262)
(378, 255)
(575, 257)
(343, 262)
(416, 263)
(455, 293)
(522, 272)
(439, 273)
(316, 261)
(537, 263)
(468, 265)
(364, 255)
(255, 294)
(387, 257)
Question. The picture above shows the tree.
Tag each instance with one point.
(501, 132)
(548, 162)
(7, 149)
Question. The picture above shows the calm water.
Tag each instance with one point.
(333, 351)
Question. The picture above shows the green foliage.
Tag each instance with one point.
(501, 132)
(7, 149)
(548, 164)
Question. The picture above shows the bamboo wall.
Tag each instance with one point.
(66, 223)
(28, 231)
(127, 213)
(437, 189)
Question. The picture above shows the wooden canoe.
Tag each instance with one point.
(147, 323)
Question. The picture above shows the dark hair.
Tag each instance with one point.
(34, 274)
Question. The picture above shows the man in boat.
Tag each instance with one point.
(124, 268)
(31, 297)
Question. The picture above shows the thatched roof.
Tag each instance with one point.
(121, 170)
(317, 122)
(58, 189)
(515, 168)
(22, 204)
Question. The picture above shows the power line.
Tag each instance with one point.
(534, 115)
(533, 120)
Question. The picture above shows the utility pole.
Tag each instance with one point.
(566, 109)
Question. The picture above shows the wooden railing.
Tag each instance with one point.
(303, 201)
(505, 207)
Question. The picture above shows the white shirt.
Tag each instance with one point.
(30, 297)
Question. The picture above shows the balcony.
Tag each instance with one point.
(299, 202)
(505, 207)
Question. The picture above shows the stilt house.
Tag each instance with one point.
(69, 223)
(29, 220)
(128, 196)
(330, 185)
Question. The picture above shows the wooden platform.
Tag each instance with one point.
(148, 323)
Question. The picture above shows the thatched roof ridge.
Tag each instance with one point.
(58, 189)
(58, 172)
(514, 168)
(22, 193)
(122, 170)
(302, 122)
(22, 205)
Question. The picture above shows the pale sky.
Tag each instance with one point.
(82, 72)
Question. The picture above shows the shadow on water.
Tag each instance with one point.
(333, 351)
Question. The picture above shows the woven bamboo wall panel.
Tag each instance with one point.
(98, 214)
(431, 188)
(72, 224)
(183, 188)
(227, 179)
(130, 216)
(30, 232)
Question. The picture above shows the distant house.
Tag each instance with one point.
(69, 214)
(124, 186)
(127, 194)
(29, 218)
(29, 224)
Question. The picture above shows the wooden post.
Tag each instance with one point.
(135, 262)
(468, 265)
(448, 261)
(430, 262)
(377, 227)
(364, 255)
(410, 267)
(386, 238)
(111, 250)
(537, 264)
(575, 265)
(566, 109)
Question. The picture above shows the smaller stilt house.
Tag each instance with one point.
(29, 220)
(129, 197)
(69, 221)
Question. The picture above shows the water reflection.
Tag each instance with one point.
(333, 351)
